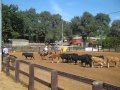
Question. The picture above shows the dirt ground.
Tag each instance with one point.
(7, 83)
(109, 75)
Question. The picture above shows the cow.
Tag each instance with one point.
(72, 57)
(54, 56)
(28, 55)
(66, 57)
(110, 59)
(85, 59)
(98, 59)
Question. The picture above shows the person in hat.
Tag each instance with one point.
(5, 50)
(45, 50)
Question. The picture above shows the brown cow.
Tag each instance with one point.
(97, 60)
(110, 59)
(54, 56)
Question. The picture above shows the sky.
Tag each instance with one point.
(70, 8)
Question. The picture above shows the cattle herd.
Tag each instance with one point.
(86, 60)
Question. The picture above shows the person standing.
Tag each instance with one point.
(5, 54)
(5, 51)
(55, 48)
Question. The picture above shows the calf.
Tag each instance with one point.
(28, 55)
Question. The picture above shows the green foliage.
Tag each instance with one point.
(111, 42)
(29, 25)
(115, 29)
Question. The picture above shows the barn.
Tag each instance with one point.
(77, 40)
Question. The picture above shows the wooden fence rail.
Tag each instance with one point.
(96, 85)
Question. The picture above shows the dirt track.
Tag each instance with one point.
(110, 75)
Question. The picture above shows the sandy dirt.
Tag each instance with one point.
(7, 83)
(109, 75)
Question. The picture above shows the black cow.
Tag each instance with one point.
(85, 59)
(66, 57)
(69, 57)
(28, 55)
(74, 57)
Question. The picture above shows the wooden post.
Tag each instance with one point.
(54, 80)
(31, 77)
(17, 65)
(97, 85)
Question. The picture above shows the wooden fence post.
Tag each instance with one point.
(97, 85)
(31, 77)
(54, 80)
(17, 64)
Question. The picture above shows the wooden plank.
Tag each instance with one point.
(75, 77)
(54, 80)
(110, 87)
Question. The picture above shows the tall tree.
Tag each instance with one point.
(103, 21)
(115, 28)
(6, 22)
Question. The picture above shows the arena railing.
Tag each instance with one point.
(96, 85)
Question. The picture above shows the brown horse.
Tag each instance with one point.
(43, 55)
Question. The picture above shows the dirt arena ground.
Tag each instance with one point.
(109, 75)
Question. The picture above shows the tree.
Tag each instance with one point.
(83, 25)
(115, 28)
(6, 22)
(76, 25)
(103, 21)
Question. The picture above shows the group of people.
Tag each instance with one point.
(45, 50)
(55, 49)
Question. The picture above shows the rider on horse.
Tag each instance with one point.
(45, 50)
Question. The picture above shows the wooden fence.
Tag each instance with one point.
(96, 85)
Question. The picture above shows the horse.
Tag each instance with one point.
(43, 54)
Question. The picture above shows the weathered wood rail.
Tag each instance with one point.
(96, 85)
